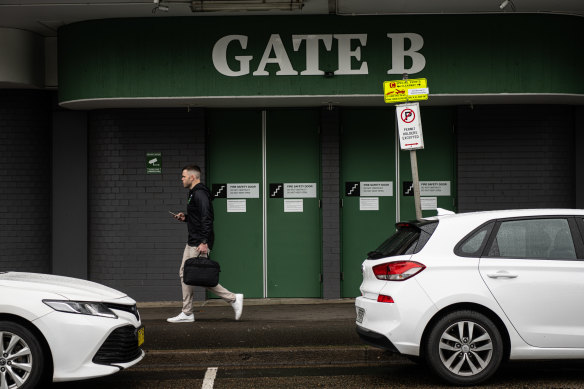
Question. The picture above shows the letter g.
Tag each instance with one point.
(220, 56)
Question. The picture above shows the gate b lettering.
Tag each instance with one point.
(349, 60)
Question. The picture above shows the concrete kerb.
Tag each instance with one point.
(272, 357)
(248, 302)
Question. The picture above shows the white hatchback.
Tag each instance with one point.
(63, 329)
(465, 292)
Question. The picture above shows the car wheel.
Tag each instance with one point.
(464, 348)
(21, 357)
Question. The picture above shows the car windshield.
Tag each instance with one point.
(408, 239)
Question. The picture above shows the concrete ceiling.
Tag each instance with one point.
(45, 17)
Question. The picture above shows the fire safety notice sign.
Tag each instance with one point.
(409, 126)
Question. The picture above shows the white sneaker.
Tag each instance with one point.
(238, 305)
(182, 318)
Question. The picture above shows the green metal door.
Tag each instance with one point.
(436, 165)
(235, 157)
(293, 215)
(367, 156)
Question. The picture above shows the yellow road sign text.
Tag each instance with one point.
(405, 90)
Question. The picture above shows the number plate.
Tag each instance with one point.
(140, 336)
(360, 315)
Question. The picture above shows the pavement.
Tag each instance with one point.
(270, 332)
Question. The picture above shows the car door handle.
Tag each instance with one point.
(502, 274)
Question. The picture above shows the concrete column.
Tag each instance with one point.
(331, 230)
(69, 194)
(579, 156)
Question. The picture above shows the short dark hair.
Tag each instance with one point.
(193, 168)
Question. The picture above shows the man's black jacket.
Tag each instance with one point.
(199, 216)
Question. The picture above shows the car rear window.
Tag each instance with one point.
(409, 238)
(473, 244)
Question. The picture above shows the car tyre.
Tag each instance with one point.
(464, 348)
(21, 357)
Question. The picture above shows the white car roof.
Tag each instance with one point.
(509, 213)
(452, 228)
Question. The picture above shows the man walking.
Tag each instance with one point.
(199, 219)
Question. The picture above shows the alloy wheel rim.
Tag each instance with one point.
(15, 361)
(465, 348)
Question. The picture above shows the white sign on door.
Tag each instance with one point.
(293, 205)
(409, 126)
(236, 206)
(243, 191)
(377, 188)
(429, 203)
(300, 190)
(435, 188)
(369, 204)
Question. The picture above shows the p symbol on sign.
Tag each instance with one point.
(408, 115)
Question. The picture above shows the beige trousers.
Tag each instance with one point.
(188, 291)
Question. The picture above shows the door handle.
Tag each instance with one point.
(502, 274)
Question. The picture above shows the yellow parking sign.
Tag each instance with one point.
(405, 90)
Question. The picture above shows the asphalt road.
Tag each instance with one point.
(283, 325)
(291, 346)
(399, 374)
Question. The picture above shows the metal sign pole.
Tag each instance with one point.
(416, 183)
(415, 179)
(410, 124)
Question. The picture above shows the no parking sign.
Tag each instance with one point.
(409, 126)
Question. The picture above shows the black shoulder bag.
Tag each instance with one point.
(201, 271)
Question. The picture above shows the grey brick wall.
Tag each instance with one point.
(134, 243)
(515, 157)
(25, 180)
(331, 241)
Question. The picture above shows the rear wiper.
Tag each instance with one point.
(375, 254)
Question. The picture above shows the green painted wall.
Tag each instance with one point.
(293, 262)
(367, 154)
(234, 149)
(294, 238)
(465, 54)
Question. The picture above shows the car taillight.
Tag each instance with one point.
(397, 271)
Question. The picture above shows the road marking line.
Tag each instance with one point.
(209, 379)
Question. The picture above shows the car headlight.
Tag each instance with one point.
(81, 307)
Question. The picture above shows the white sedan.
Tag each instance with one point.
(466, 292)
(63, 329)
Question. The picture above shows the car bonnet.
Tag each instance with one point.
(70, 288)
